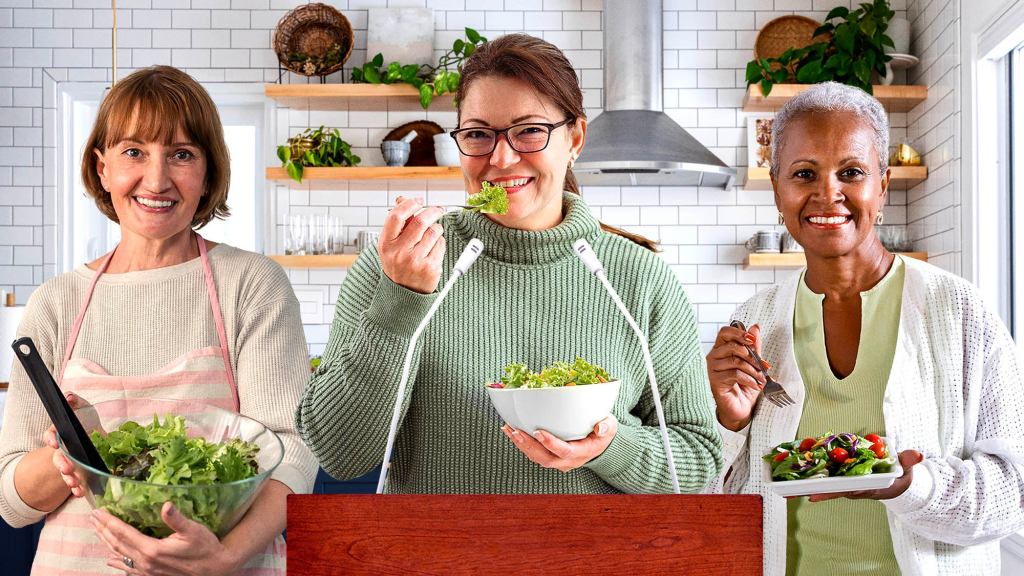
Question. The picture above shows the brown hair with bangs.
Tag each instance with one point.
(148, 106)
(542, 65)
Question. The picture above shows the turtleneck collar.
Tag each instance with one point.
(530, 247)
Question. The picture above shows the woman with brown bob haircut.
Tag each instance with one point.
(170, 316)
(527, 300)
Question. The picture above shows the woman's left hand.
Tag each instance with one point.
(192, 549)
(908, 459)
(550, 452)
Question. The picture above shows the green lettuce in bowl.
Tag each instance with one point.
(210, 463)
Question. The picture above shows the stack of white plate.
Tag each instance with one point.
(446, 152)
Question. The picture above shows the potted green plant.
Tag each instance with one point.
(315, 147)
(855, 50)
(429, 80)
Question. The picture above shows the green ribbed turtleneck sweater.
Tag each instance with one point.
(527, 299)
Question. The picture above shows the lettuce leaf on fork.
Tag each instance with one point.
(491, 199)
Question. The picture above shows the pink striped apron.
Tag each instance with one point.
(68, 543)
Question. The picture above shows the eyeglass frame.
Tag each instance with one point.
(551, 128)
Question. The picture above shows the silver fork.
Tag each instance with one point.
(773, 391)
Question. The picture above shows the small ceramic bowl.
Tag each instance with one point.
(396, 152)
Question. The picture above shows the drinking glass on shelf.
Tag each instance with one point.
(335, 237)
(296, 235)
(318, 234)
(895, 238)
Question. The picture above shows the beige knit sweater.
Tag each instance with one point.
(140, 321)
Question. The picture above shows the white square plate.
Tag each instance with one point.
(834, 484)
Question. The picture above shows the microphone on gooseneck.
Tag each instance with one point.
(462, 265)
(582, 249)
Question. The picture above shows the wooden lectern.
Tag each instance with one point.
(524, 534)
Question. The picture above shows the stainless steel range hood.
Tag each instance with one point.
(633, 142)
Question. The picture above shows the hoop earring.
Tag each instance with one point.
(782, 219)
(879, 219)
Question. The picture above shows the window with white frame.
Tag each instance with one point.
(1013, 177)
(997, 185)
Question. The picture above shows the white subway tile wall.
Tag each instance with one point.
(932, 208)
(706, 46)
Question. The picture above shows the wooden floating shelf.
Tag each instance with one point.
(315, 260)
(894, 98)
(338, 96)
(797, 259)
(902, 177)
(368, 173)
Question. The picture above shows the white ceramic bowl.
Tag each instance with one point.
(569, 413)
(446, 156)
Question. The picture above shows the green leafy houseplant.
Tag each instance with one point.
(429, 80)
(315, 147)
(856, 49)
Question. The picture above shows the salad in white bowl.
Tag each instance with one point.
(563, 399)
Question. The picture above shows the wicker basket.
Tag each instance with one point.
(313, 29)
(784, 33)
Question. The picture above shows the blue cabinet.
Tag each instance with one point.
(367, 484)
(18, 547)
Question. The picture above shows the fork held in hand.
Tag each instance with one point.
(773, 391)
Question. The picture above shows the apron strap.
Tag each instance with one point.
(211, 290)
(77, 326)
(218, 319)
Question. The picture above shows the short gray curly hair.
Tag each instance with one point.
(833, 97)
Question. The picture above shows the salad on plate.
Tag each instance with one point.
(843, 454)
(831, 463)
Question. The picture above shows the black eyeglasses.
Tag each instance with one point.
(523, 138)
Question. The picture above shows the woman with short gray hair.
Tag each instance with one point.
(865, 341)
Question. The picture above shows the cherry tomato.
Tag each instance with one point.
(807, 444)
(781, 456)
(874, 439)
(839, 455)
(879, 449)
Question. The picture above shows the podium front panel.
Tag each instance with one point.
(524, 534)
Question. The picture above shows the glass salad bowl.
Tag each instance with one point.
(566, 412)
(209, 462)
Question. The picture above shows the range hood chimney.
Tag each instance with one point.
(633, 142)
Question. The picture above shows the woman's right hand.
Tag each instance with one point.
(412, 246)
(63, 465)
(735, 380)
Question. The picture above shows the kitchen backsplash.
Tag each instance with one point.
(707, 44)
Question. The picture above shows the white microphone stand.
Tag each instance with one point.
(582, 249)
(466, 259)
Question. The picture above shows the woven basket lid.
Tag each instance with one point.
(312, 29)
(784, 33)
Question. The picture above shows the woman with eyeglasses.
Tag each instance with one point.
(527, 299)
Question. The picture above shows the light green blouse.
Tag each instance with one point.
(843, 536)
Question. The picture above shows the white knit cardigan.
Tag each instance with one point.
(955, 394)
